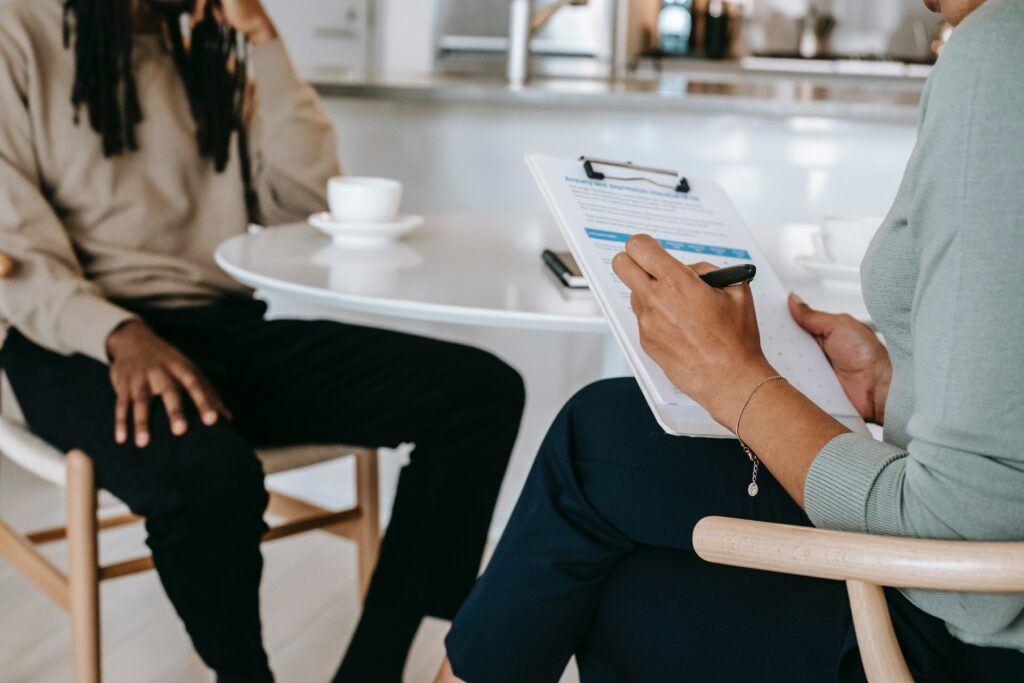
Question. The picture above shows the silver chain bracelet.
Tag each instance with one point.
(752, 489)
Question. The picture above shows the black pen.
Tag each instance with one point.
(733, 275)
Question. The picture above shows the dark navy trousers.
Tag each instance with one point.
(597, 562)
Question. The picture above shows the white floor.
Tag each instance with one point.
(310, 607)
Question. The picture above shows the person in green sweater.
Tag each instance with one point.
(597, 559)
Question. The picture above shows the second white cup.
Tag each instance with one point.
(357, 199)
(844, 240)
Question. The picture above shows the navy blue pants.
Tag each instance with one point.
(597, 561)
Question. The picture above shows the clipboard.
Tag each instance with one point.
(681, 183)
(598, 211)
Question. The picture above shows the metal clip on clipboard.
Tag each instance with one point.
(682, 184)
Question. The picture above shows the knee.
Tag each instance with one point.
(508, 384)
(596, 414)
(604, 398)
(492, 383)
(212, 476)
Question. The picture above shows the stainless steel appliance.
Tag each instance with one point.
(577, 41)
(891, 29)
(524, 25)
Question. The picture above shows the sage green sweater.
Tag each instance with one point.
(942, 280)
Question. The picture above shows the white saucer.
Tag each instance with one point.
(365, 234)
(827, 271)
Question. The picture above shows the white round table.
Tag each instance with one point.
(467, 268)
(476, 279)
(458, 268)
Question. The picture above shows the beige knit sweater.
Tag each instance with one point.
(87, 230)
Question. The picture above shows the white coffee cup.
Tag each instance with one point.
(844, 240)
(355, 199)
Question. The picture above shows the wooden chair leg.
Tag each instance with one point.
(368, 497)
(879, 650)
(83, 568)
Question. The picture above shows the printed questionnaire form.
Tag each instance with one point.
(599, 216)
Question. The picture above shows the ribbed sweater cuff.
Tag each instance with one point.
(278, 84)
(86, 320)
(844, 487)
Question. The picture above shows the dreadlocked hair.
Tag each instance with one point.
(213, 68)
(104, 81)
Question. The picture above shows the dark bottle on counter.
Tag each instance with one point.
(675, 26)
(717, 31)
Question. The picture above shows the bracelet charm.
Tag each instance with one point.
(752, 488)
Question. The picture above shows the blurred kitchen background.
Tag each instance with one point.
(804, 107)
(608, 38)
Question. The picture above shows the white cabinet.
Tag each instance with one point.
(324, 36)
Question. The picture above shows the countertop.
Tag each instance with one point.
(702, 90)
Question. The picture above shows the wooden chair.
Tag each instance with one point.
(78, 590)
(866, 563)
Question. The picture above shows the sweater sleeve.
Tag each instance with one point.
(962, 472)
(47, 298)
(294, 150)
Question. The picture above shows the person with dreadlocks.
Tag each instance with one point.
(136, 135)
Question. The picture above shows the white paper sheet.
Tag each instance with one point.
(598, 217)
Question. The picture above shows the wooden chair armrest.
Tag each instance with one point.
(6, 266)
(970, 566)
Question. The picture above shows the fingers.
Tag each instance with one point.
(199, 396)
(654, 259)
(703, 267)
(220, 408)
(121, 418)
(134, 403)
(631, 274)
(140, 414)
(175, 413)
(163, 385)
(206, 400)
(815, 322)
